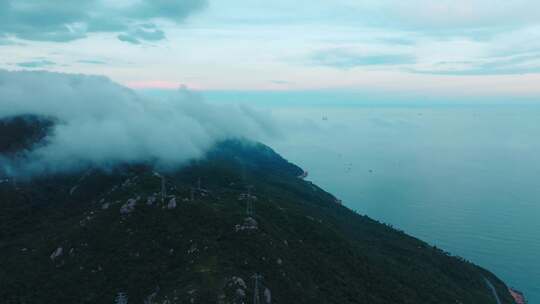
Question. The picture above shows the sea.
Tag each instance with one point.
(465, 178)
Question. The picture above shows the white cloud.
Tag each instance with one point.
(102, 123)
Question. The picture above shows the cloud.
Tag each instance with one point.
(36, 64)
(143, 33)
(92, 61)
(461, 14)
(43, 20)
(397, 41)
(281, 82)
(170, 9)
(128, 38)
(345, 59)
(423, 15)
(5, 41)
(101, 123)
(496, 65)
(66, 20)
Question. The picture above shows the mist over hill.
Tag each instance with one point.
(94, 121)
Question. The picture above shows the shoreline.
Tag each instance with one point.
(518, 296)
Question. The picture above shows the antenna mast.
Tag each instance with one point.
(256, 298)
(163, 189)
(249, 202)
(163, 186)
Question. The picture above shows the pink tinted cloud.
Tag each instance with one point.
(154, 84)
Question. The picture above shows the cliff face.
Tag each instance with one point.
(235, 227)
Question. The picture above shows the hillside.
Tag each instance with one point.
(100, 236)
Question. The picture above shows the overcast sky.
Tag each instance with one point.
(480, 48)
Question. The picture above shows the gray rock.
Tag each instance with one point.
(267, 296)
(239, 281)
(240, 293)
(172, 203)
(248, 224)
(151, 200)
(129, 206)
(57, 253)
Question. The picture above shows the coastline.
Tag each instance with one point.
(518, 296)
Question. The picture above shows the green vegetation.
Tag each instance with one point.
(32, 128)
(308, 248)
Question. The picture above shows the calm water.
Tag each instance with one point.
(466, 179)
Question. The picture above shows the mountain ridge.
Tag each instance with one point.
(95, 235)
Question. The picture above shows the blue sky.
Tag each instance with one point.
(445, 48)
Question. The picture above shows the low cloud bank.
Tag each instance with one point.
(101, 123)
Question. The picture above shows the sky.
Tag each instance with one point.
(447, 49)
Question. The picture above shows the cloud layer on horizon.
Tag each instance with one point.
(101, 123)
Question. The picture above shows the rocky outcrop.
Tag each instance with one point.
(172, 203)
(267, 296)
(129, 206)
(58, 252)
(248, 224)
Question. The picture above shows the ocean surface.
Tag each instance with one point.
(463, 178)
